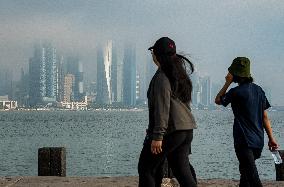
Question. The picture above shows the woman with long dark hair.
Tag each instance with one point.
(171, 123)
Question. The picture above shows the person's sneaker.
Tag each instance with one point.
(167, 182)
(174, 182)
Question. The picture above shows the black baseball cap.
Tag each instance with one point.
(164, 46)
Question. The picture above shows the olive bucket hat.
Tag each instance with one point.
(240, 67)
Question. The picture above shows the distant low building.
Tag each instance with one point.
(74, 105)
(6, 104)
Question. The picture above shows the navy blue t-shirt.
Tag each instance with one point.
(248, 102)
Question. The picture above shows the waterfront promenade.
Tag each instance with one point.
(35, 181)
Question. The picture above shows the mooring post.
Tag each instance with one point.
(280, 168)
(52, 161)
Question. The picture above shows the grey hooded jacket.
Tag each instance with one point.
(166, 113)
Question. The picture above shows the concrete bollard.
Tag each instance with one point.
(280, 168)
(52, 161)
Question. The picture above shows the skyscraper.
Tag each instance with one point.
(206, 91)
(22, 89)
(60, 79)
(35, 83)
(69, 80)
(43, 75)
(114, 75)
(138, 87)
(129, 75)
(196, 89)
(104, 74)
(50, 71)
(75, 67)
(119, 77)
(6, 82)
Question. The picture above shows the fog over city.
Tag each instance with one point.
(212, 33)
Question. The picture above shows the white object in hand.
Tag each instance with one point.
(276, 156)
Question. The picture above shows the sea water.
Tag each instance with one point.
(108, 143)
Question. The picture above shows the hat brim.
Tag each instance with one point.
(150, 48)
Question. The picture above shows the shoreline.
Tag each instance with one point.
(123, 181)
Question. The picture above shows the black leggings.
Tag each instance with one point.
(247, 167)
(176, 149)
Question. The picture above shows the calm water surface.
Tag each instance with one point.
(108, 143)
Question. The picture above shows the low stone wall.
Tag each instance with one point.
(109, 182)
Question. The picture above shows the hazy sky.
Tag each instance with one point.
(213, 32)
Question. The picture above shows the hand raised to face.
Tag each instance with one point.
(229, 78)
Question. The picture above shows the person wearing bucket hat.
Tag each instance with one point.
(171, 123)
(240, 67)
(249, 104)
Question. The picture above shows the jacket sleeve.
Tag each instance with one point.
(162, 97)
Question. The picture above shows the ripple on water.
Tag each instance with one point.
(108, 143)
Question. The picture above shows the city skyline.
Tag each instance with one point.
(56, 78)
(211, 33)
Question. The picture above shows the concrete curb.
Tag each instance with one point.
(131, 181)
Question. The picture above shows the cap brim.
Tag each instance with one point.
(150, 48)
